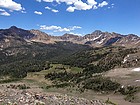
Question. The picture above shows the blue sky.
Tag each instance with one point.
(80, 17)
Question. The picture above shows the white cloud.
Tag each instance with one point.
(44, 27)
(68, 2)
(112, 6)
(63, 30)
(48, 8)
(78, 4)
(54, 28)
(23, 12)
(11, 5)
(108, 7)
(92, 2)
(75, 33)
(38, 0)
(38, 13)
(75, 27)
(53, 10)
(2, 10)
(70, 9)
(104, 3)
(58, 28)
(95, 7)
(4, 13)
(48, 0)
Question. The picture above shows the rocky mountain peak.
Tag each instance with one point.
(15, 32)
(97, 32)
(38, 32)
(13, 27)
(132, 36)
(39, 36)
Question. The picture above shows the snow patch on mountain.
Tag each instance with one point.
(101, 41)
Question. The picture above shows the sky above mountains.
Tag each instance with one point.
(80, 17)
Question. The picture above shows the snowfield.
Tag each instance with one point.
(136, 69)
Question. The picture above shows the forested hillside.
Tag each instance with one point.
(17, 61)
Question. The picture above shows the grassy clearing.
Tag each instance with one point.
(38, 77)
(76, 69)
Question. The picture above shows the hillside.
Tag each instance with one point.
(71, 63)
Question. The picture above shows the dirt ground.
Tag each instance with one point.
(125, 76)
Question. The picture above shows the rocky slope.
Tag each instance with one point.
(12, 95)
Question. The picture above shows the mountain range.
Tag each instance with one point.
(17, 36)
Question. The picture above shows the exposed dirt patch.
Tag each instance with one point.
(125, 76)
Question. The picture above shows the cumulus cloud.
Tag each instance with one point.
(75, 27)
(47, 8)
(38, 0)
(58, 28)
(68, 2)
(54, 28)
(95, 7)
(75, 33)
(63, 30)
(48, 0)
(4, 13)
(104, 3)
(78, 4)
(11, 5)
(70, 9)
(2, 10)
(44, 27)
(92, 2)
(53, 10)
(23, 12)
(38, 13)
